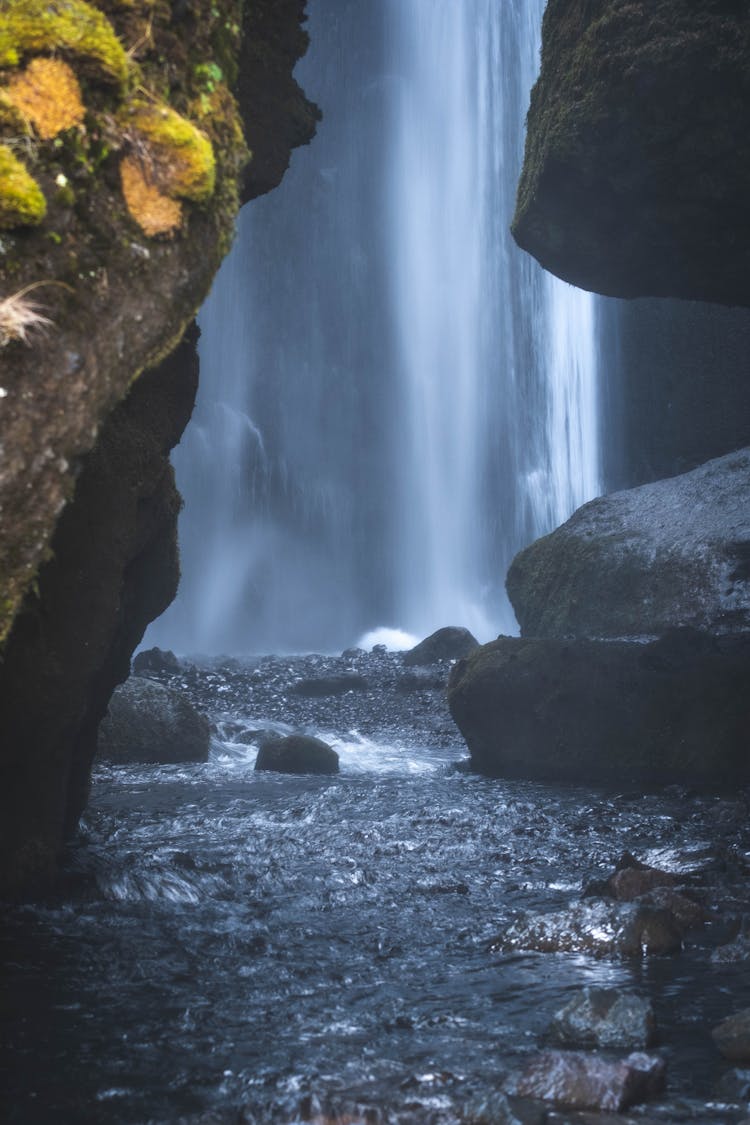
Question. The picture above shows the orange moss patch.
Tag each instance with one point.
(154, 212)
(47, 94)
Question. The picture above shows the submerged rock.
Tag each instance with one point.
(148, 722)
(601, 930)
(676, 710)
(638, 562)
(605, 1017)
(582, 1081)
(732, 1036)
(449, 643)
(297, 753)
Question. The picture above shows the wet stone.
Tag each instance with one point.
(449, 643)
(734, 1086)
(732, 1036)
(298, 753)
(600, 929)
(605, 1017)
(582, 1081)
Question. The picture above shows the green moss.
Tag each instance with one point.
(183, 155)
(29, 27)
(21, 199)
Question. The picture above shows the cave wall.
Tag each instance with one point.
(675, 390)
(92, 406)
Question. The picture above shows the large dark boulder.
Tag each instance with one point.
(634, 183)
(675, 552)
(298, 753)
(675, 710)
(449, 643)
(148, 722)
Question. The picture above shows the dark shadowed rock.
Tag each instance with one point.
(155, 660)
(450, 643)
(677, 710)
(632, 181)
(732, 1036)
(321, 686)
(582, 1081)
(605, 1017)
(148, 722)
(636, 563)
(297, 753)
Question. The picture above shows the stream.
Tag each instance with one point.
(240, 946)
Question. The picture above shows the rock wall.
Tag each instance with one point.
(138, 198)
(634, 183)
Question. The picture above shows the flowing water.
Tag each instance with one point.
(258, 945)
(394, 399)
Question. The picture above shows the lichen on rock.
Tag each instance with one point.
(73, 27)
(48, 95)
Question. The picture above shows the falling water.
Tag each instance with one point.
(394, 398)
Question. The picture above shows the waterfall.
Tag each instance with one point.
(394, 398)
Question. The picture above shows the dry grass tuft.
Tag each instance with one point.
(48, 95)
(154, 212)
(21, 318)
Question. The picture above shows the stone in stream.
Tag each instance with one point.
(148, 722)
(732, 1036)
(582, 1081)
(605, 1017)
(601, 930)
(449, 643)
(297, 753)
(734, 1086)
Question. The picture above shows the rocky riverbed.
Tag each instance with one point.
(403, 941)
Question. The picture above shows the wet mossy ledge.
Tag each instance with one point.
(633, 182)
(122, 158)
(121, 148)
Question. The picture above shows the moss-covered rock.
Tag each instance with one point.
(181, 157)
(22, 201)
(87, 558)
(634, 182)
(73, 27)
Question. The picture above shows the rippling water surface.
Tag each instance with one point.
(230, 939)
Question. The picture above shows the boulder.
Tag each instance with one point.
(449, 643)
(676, 710)
(583, 1081)
(605, 1017)
(155, 660)
(297, 753)
(321, 686)
(635, 563)
(632, 182)
(148, 722)
(732, 1036)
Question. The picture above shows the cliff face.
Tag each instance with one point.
(634, 183)
(115, 217)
